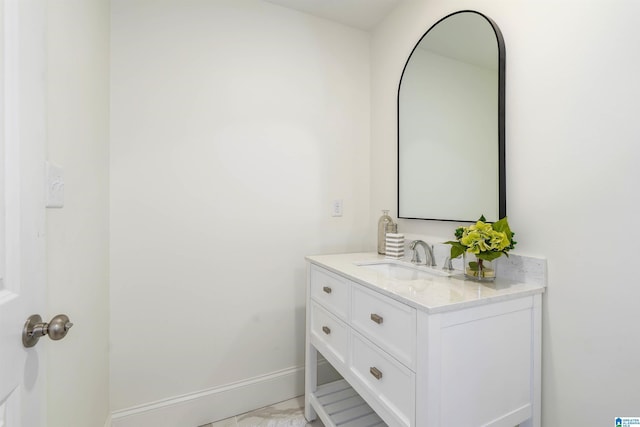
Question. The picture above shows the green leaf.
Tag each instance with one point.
(458, 233)
(473, 266)
(503, 226)
(457, 248)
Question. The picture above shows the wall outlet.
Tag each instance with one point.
(336, 208)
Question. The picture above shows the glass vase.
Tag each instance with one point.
(479, 269)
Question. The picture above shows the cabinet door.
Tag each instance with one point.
(486, 362)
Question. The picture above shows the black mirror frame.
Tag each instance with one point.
(502, 189)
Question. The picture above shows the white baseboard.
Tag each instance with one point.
(195, 409)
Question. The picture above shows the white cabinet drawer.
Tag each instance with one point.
(392, 383)
(388, 323)
(330, 290)
(329, 333)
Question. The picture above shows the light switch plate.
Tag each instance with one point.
(55, 186)
(336, 209)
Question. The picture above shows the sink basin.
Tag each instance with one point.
(403, 270)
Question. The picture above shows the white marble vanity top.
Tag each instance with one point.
(433, 295)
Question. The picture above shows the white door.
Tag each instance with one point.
(22, 215)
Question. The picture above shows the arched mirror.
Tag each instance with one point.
(451, 147)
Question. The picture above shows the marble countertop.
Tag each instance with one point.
(433, 295)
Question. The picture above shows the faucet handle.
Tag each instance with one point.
(415, 257)
(431, 255)
(448, 266)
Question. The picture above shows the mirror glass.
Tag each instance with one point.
(451, 122)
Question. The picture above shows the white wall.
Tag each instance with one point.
(78, 234)
(572, 152)
(235, 124)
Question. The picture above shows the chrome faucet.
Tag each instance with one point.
(428, 253)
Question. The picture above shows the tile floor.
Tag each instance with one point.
(289, 413)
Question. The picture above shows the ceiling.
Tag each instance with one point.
(362, 14)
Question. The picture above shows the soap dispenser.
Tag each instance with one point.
(385, 225)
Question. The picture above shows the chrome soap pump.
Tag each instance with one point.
(385, 225)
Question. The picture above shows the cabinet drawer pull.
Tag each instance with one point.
(326, 289)
(376, 318)
(326, 330)
(375, 372)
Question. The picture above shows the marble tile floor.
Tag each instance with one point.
(289, 413)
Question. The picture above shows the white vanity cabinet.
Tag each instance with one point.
(446, 353)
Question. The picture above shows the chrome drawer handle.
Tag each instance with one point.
(326, 330)
(327, 289)
(375, 372)
(376, 318)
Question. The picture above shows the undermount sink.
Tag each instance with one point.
(403, 270)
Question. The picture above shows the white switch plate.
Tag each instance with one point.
(337, 208)
(55, 186)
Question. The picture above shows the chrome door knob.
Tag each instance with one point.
(34, 328)
(59, 326)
